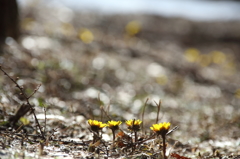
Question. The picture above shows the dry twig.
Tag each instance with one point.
(24, 107)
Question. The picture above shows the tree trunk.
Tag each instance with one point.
(9, 20)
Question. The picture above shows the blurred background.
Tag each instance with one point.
(197, 10)
(185, 53)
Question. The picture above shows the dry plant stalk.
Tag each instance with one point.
(24, 108)
(145, 104)
(158, 111)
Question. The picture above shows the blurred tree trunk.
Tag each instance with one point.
(9, 20)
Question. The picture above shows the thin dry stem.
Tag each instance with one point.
(102, 109)
(45, 119)
(158, 111)
(26, 98)
(35, 90)
(175, 128)
(143, 113)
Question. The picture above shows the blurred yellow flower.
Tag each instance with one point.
(161, 128)
(96, 125)
(133, 126)
(86, 35)
(205, 60)
(133, 27)
(237, 93)
(162, 80)
(192, 55)
(218, 57)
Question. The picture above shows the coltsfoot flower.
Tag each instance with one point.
(96, 125)
(133, 125)
(161, 128)
(114, 125)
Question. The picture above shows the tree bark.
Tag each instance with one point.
(9, 20)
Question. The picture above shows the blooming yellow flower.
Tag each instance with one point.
(161, 128)
(96, 125)
(114, 125)
(133, 126)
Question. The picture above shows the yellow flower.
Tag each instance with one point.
(114, 125)
(133, 126)
(192, 55)
(96, 125)
(133, 27)
(86, 35)
(161, 128)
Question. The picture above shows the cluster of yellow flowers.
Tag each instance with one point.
(161, 129)
(133, 125)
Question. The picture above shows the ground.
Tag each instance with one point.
(112, 67)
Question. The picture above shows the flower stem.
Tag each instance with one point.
(95, 136)
(113, 131)
(136, 137)
(164, 146)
